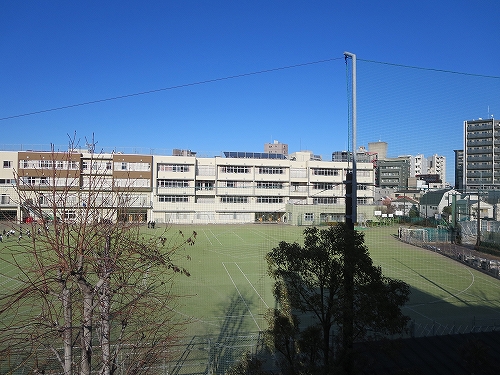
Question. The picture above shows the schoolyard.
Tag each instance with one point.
(229, 291)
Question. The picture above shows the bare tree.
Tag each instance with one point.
(88, 292)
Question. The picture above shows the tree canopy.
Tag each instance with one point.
(329, 294)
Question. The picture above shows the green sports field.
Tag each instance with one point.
(229, 291)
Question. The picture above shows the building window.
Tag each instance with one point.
(44, 181)
(325, 172)
(271, 170)
(7, 163)
(204, 185)
(172, 198)
(70, 215)
(45, 164)
(325, 200)
(362, 200)
(269, 200)
(269, 185)
(234, 169)
(173, 168)
(309, 216)
(124, 166)
(322, 186)
(233, 199)
(173, 183)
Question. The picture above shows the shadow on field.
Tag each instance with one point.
(232, 340)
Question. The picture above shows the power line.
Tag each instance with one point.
(170, 88)
(431, 69)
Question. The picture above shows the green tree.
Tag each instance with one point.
(329, 295)
(414, 212)
(446, 213)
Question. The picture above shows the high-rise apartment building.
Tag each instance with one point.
(481, 166)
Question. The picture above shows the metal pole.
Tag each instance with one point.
(354, 203)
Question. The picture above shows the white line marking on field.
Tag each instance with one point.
(237, 235)
(215, 236)
(252, 285)
(205, 233)
(245, 302)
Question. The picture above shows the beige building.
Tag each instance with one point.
(238, 188)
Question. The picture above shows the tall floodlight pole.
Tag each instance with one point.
(351, 179)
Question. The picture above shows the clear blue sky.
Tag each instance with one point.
(60, 53)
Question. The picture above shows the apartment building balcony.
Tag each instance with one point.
(479, 142)
(479, 158)
(477, 127)
(480, 166)
(472, 151)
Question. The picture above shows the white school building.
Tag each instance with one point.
(236, 187)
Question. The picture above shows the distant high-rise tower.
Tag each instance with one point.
(481, 154)
(276, 148)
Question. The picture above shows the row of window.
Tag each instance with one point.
(172, 183)
(209, 185)
(49, 164)
(234, 169)
(325, 172)
(173, 168)
(244, 199)
(96, 165)
(132, 166)
(271, 170)
(294, 172)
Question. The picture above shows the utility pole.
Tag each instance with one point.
(351, 180)
(478, 237)
(350, 217)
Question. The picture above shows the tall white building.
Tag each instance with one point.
(436, 164)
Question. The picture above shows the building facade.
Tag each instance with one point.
(459, 169)
(481, 154)
(182, 188)
(392, 173)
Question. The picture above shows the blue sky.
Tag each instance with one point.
(59, 53)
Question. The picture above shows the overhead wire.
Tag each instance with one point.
(431, 69)
(169, 88)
